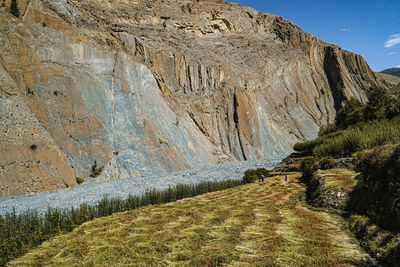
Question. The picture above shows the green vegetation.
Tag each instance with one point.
(310, 164)
(309, 167)
(378, 192)
(20, 233)
(372, 210)
(14, 8)
(358, 127)
(381, 244)
(356, 139)
(344, 143)
(251, 176)
(377, 198)
(251, 225)
(79, 180)
(96, 171)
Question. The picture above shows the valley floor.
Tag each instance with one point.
(251, 225)
(92, 192)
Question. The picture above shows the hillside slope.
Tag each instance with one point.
(392, 71)
(255, 224)
(389, 81)
(148, 87)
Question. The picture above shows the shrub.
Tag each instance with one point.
(379, 99)
(351, 113)
(393, 107)
(327, 163)
(308, 167)
(96, 171)
(251, 176)
(79, 180)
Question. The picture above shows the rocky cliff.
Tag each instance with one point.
(142, 87)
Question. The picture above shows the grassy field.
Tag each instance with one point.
(251, 225)
(344, 178)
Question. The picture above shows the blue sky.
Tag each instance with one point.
(370, 28)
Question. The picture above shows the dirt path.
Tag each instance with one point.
(251, 225)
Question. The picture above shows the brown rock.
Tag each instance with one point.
(169, 85)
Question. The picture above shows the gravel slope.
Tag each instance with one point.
(92, 192)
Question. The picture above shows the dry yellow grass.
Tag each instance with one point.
(251, 225)
(390, 79)
(344, 178)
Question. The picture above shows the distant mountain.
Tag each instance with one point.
(392, 71)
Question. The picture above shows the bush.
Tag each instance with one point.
(350, 114)
(79, 180)
(393, 107)
(96, 171)
(379, 99)
(251, 176)
(327, 163)
(382, 105)
(308, 167)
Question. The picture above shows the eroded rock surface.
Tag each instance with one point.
(149, 87)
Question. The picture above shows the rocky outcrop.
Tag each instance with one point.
(145, 87)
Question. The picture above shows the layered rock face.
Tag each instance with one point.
(146, 87)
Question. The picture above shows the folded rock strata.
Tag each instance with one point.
(146, 87)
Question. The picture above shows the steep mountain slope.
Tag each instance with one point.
(144, 87)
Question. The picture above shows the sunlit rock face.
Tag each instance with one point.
(149, 87)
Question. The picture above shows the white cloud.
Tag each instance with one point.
(394, 39)
(345, 29)
(392, 53)
(398, 66)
